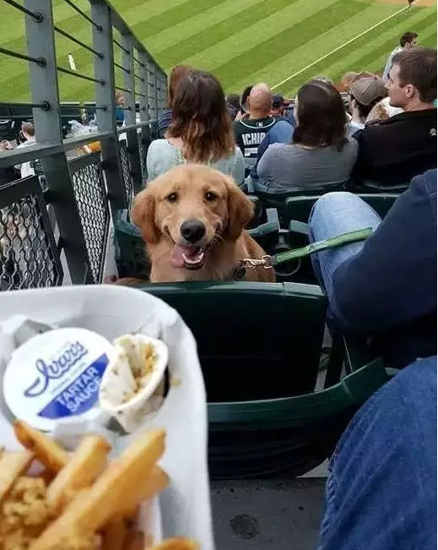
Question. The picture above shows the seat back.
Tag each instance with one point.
(279, 199)
(256, 341)
(259, 346)
(298, 208)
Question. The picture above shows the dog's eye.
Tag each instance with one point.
(210, 196)
(173, 197)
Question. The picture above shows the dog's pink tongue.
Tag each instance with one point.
(176, 258)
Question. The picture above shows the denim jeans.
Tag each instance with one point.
(334, 214)
(381, 492)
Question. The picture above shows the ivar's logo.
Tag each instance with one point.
(56, 369)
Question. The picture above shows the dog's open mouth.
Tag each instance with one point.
(190, 257)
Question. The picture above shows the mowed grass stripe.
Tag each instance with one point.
(370, 57)
(297, 58)
(395, 27)
(267, 52)
(171, 17)
(375, 60)
(206, 20)
(141, 11)
(210, 36)
(248, 38)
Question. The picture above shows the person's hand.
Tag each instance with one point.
(5, 145)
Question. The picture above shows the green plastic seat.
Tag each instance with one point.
(297, 214)
(298, 208)
(259, 346)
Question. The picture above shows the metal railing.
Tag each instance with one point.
(85, 192)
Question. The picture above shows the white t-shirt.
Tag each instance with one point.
(26, 169)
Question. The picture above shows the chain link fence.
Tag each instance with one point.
(29, 257)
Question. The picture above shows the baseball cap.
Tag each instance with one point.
(367, 89)
(277, 101)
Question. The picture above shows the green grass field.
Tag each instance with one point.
(240, 41)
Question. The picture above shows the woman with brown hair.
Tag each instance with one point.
(176, 74)
(320, 153)
(200, 132)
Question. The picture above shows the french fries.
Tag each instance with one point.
(79, 501)
(146, 487)
(115, 534)
(85, 465)
(178, 543)
(91, 511)
(12, 465)
(49, 453)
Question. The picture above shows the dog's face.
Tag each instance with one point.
(195, 208)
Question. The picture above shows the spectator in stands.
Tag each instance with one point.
(320, 153)
(393, 151)
(6, 174)
(383, 110)
(120, 111)
(383, 290)
(364, 94)
(251, 130)
(277, 105)
(200, 132)
(27, 168)
(233, 105)
(407, 41)
(384, 467)
(244, 107)
(176, 74)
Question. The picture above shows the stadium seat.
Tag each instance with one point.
(297, 215)
(278, 200)
(260, 354)
(298, 208)
(373, 187)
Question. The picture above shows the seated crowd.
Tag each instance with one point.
(385, 133)
(385, 136)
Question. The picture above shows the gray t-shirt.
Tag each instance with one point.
(288, 167)
(162, 156)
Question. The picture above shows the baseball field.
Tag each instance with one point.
(281, 42)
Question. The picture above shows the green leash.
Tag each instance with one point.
(319, 246)
(267, 262)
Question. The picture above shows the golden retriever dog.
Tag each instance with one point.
(192, 219)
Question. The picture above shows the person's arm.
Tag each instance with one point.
(363, 161)
(387, 68)
(393, 279)
(151, 160)
(239, 167)
(268, 163)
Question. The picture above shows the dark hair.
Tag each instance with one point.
(365, 110)
(417, 66)
(200, 118)
(407, 38)
(176, 74)
(245, 95)
(234, 100)
(321, 116)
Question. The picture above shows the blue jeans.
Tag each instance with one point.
(334, 214)
(381, 492)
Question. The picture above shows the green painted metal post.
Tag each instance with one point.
(44, 87)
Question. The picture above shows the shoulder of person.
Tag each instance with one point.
(158, 145)
(352, 142)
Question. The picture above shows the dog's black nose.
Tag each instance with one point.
(192, 230)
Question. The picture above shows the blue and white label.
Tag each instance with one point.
(56, 375)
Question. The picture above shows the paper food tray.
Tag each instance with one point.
(183, 509)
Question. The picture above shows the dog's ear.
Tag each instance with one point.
(143, 215)
(240, 210)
